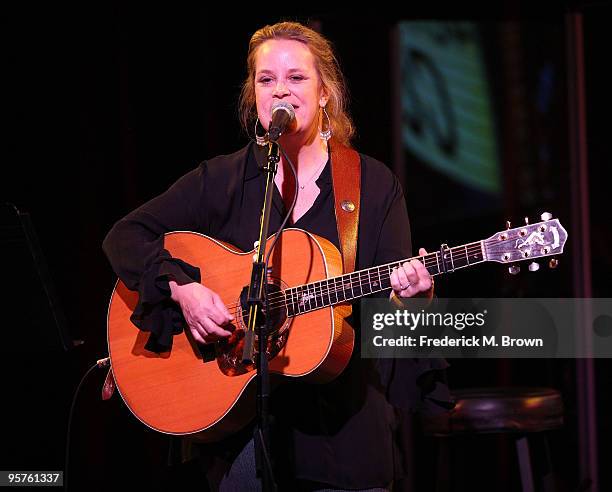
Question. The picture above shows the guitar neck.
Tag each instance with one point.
(350, 286)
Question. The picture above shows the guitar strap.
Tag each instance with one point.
(346, 181)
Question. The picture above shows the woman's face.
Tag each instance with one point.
(285, 71)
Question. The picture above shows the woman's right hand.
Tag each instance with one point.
(203, 310)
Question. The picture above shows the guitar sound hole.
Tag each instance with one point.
(229, 351)
(276, 316)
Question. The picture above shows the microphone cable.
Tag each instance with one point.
(289, 212)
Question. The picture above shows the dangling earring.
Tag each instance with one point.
(259, 139)
(325, 134)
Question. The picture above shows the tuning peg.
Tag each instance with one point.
(514, 269)
(553, 263)
(546, 216)
(508, 225)
(534, 266)
(526, 220)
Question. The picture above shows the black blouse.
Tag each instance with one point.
(341, 433)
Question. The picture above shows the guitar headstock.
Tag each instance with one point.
(527, 242)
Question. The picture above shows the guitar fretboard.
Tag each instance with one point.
(345, 288)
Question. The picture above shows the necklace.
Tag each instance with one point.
(316, 173)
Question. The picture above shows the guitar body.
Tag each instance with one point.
(184, 391)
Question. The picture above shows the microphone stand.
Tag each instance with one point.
(259, 324)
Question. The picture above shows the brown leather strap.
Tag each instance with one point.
(346, 179)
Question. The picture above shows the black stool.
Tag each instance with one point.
(517, 410)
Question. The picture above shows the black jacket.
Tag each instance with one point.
(341, 433)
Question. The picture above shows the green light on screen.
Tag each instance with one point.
(447, 116)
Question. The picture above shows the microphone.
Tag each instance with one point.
(283, 114)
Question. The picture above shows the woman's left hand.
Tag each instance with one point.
(411, 278)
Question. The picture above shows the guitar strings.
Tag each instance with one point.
(281, 299)
(364, 275)
(283, 303)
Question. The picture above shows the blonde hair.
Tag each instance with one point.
(327, 67)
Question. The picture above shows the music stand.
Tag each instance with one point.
(32, 307)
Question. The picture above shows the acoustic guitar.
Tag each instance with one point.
(204, 390)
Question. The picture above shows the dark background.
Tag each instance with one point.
(106, 106)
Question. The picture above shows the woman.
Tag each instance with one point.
(335, 436)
